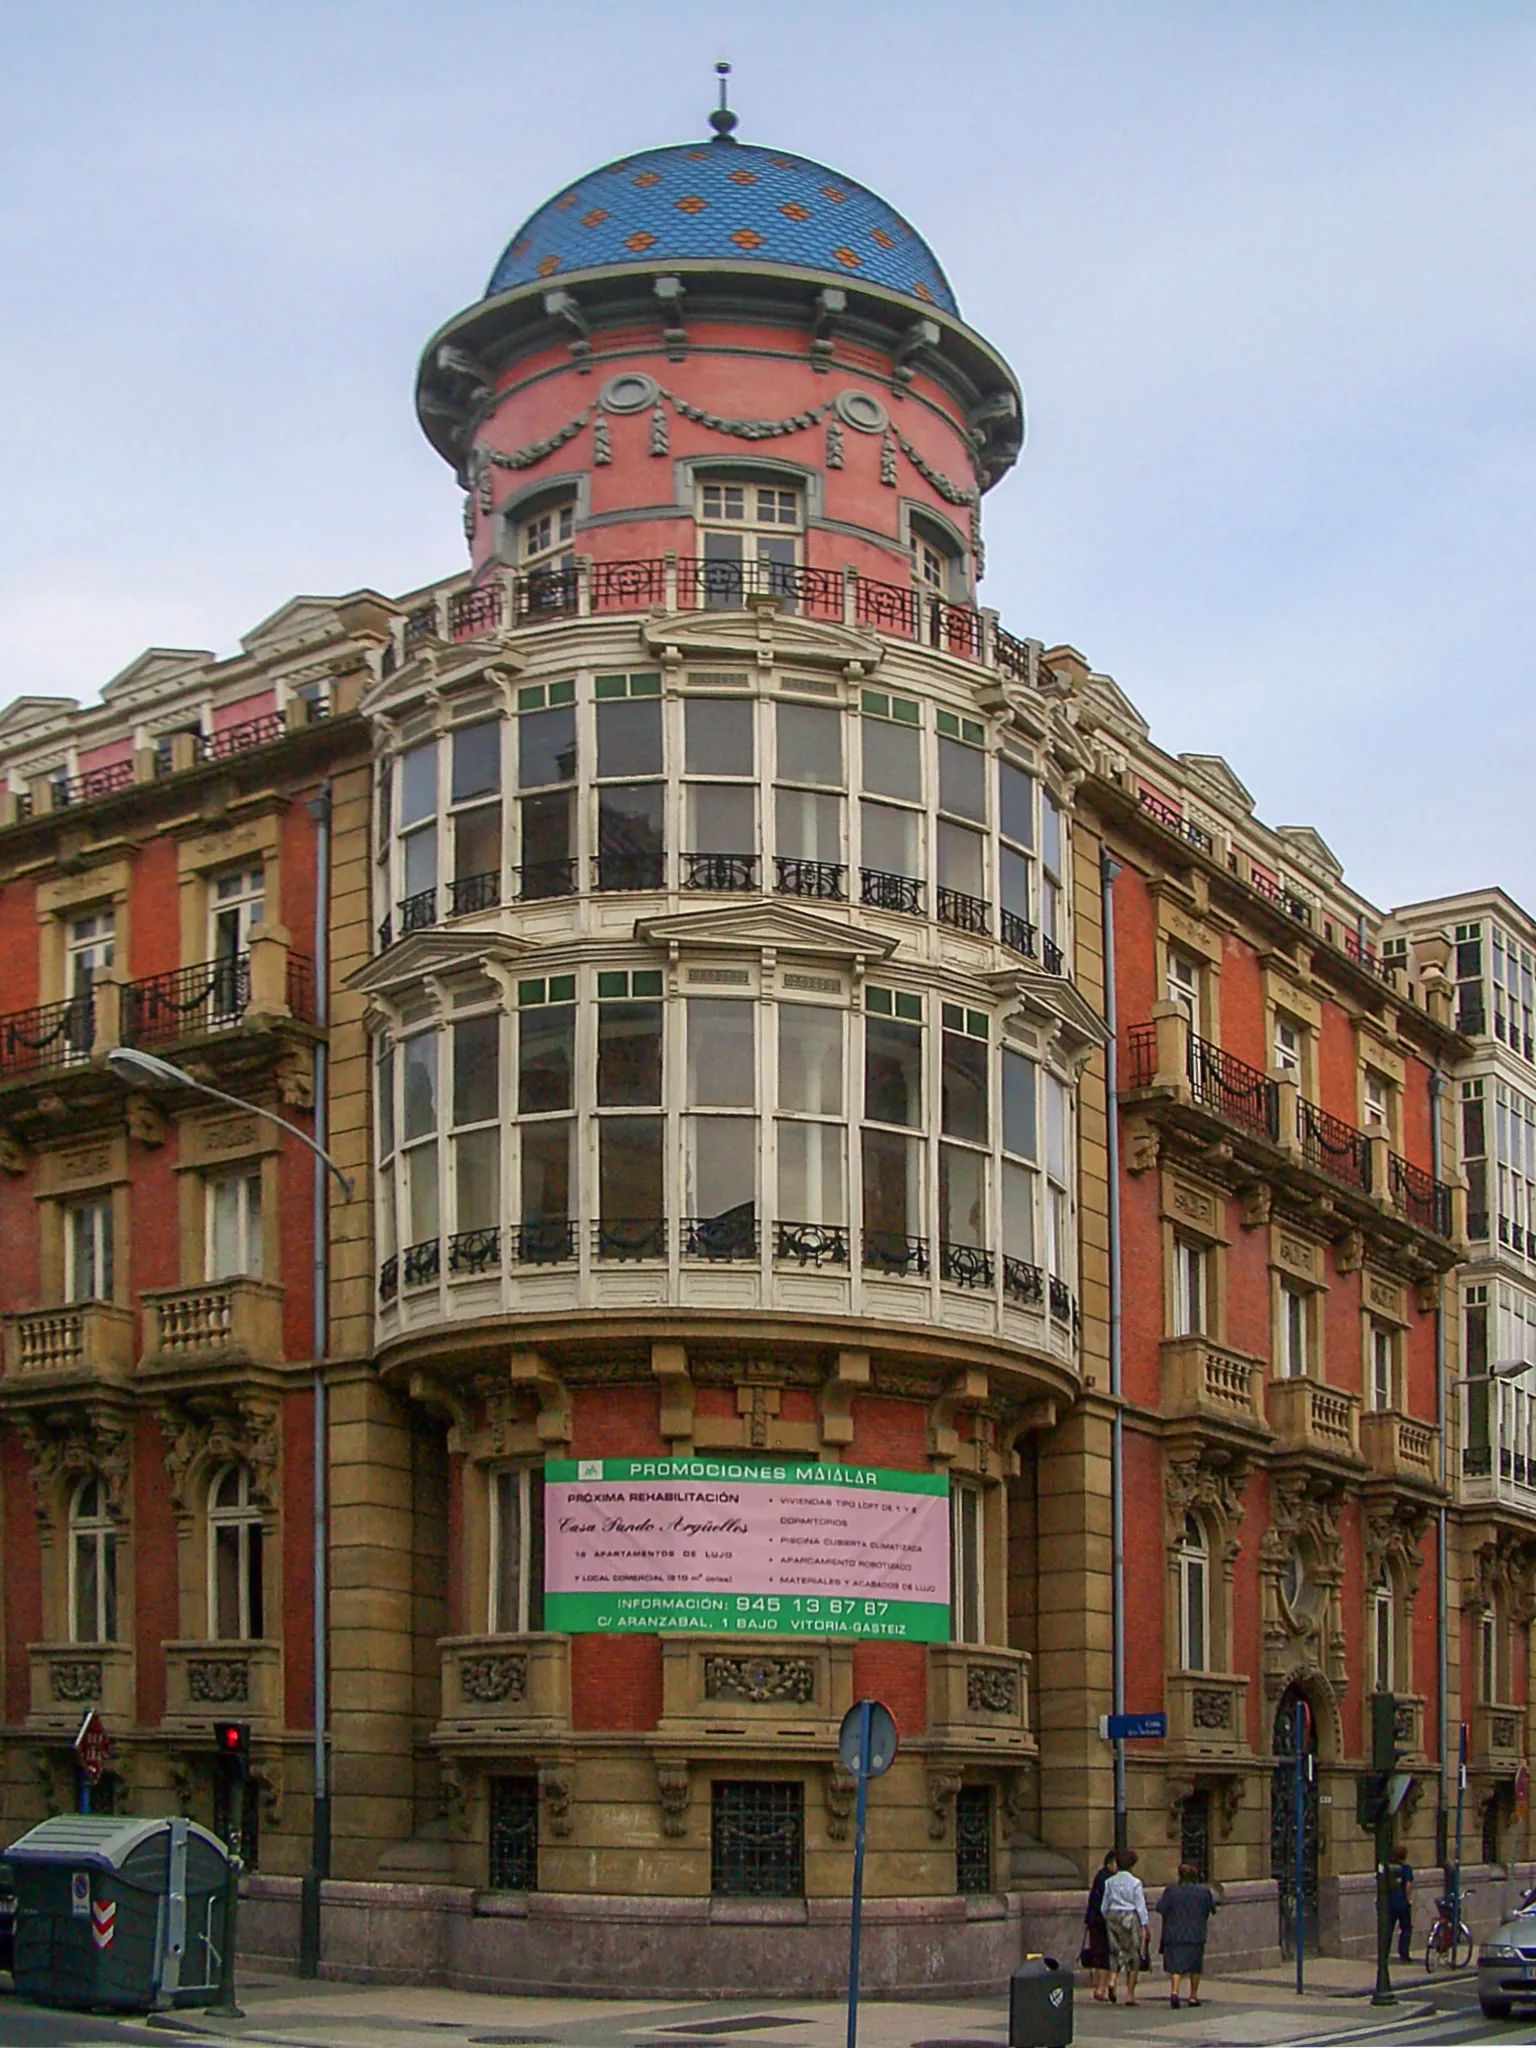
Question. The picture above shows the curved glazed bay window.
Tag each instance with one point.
(631, 796)
(92, 1566)
(748, 542)
(234, 1558)
(631, 1173)
(963, 897)
(808, 802)
(546, 784)
(416, 810)
(719, 795)
(475, 1141)
(721, 1148)
(965, 1149)
(418, 1200)
(811, 1137)
(1059, 1235)
(388, 1234)
(474, 816)
(894, 1240)
(546, 1104)
(891, 817)
(1192, 1562)
(516, 1576)
(1023, 1280)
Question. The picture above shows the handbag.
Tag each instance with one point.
(1085, 1958)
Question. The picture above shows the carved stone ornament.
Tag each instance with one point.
(72, 1443)
(1211, 1709)
(205, 1432)
(219, 1681)
(674, 1789)
(1393, 1539)
(555, 1791)
(493, 1678)
(763, 1681)
(73, 1681)
(1209, 1481)
(839, 1789)
(943, 1790)
(455, 1794)
(991, 1689)
(146, 1126)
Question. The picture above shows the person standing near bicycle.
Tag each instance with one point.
(1400, 1903)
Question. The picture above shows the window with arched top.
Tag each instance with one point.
(1383, 1635)
(1193, 1559)
(92, 1566)
(234, 1557)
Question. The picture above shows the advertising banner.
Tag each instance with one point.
(745, 1545)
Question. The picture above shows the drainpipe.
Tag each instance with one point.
(1109, 868)
(1442, 1571)
(319, 808)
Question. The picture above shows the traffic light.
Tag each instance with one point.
(1382, 1790)
(233, 1740)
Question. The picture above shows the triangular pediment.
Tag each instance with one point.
(1218, 777)
(1106, 697)
(433, 953)
(1308, 844)
(298, 623)
(24, 715)
(150, 672)
(1057, 1004)
(762, 926)
(782, 638)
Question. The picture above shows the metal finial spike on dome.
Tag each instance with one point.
(722, 120)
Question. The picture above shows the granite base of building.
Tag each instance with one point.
(548, 1943)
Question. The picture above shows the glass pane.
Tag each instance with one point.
(629, 737)
(546, 822)
(226, 1582)
(893, 760)
(421, 1177)
(1015, 804)
(386, 1098)
(629, 1168)
(962, 1196)
(225, 1194)
(546, 1059)
(893, 1071)
(1050, 834)
(722, 1054)
(477, 1185)
(963, 780)
(810, 1060)
(109, 1588)
(1019, 1214)
(809, 825)
(476, 1070)
(811, 1173)
(418, 783)
(1013, 882)
(722, 1164)
(507, 1561)
(718, 737)
(1019, 1130)
(477, 842)
(629, 819)
(962, 860)
(810, 740)
(890, 839)
(628, 1054)
(421, 860)
(546, 747)
(548, 1183)
(253, 1224)
(476, 760)
(419, 1074)
(1195, 1624)
(86, 1620)
(1055, 1128)
(389, 1243)
(892, 1184)
(724, 818)
(964, 1087)
(253, 1597)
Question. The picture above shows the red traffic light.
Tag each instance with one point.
(233, 1741)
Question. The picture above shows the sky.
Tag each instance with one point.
(1264, 268)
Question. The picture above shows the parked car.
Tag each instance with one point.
(7, 1916)
(1506, 1965)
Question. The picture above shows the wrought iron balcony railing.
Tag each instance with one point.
(474, 892)
(474, 1251)
(1424, 1200)
(614, 873)
(888, 1251)
(1233, 1090)
(48, 1035)
(1023, 1283)
(389, 1277)
(1333, 1147)
(539, 880)
(187, 1001)
(236, 739)
(1063, 1301)
(811, 1244)
(418, 912)
(630, 1237)
(723, 873)
(549, 1242)
(730, 1235)
(91, 783)
(966, 1265)
(965, 913)
(823, 879)
(881, 890)
(1172, 819)
(421, 1263)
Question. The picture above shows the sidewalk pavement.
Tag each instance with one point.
(1248, 2009)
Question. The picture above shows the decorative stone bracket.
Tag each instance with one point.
(674, 1788)
(943, 1790)
(555, 1423)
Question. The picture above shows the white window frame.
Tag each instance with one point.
(236, 902)
(248, 1222)
(1190, 1303)
(100, 1256)
(98, 1529)
(1193, 1560)
(1290, 1047)
(1183, 985)
(545, 535)
(1294, 1335)
(242, 1516)
(968, 1555)
(1381, 1350)
(496, 1622)
(1383, 1636)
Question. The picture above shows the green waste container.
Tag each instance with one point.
(112, 1911)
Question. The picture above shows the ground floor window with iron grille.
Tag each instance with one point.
(514, 1859)
(1195, 1834)
(973, 1838)
(757, 1840)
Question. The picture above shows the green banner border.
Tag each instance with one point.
(909, 1621)
(853, 1479)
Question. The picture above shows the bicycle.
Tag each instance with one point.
(1448, 1947)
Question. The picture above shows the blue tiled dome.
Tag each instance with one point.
(727, 201)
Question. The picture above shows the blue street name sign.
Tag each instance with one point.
(1133, 1727)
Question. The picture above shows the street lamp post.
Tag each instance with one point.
(148, 1070)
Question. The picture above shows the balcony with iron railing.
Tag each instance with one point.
(1498, 1439)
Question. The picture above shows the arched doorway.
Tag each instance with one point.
(1283, 1820)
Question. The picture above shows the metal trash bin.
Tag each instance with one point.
(1040, 2004)
(112, 1911)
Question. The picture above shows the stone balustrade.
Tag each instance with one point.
(238, 1321)
(1202, 1378)
(85, 1340)
(1397, 1447)
(1307, 1416)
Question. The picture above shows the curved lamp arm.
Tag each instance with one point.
(147, 1070)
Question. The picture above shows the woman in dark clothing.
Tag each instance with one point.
(1095, 1955)
(1186, 1908)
